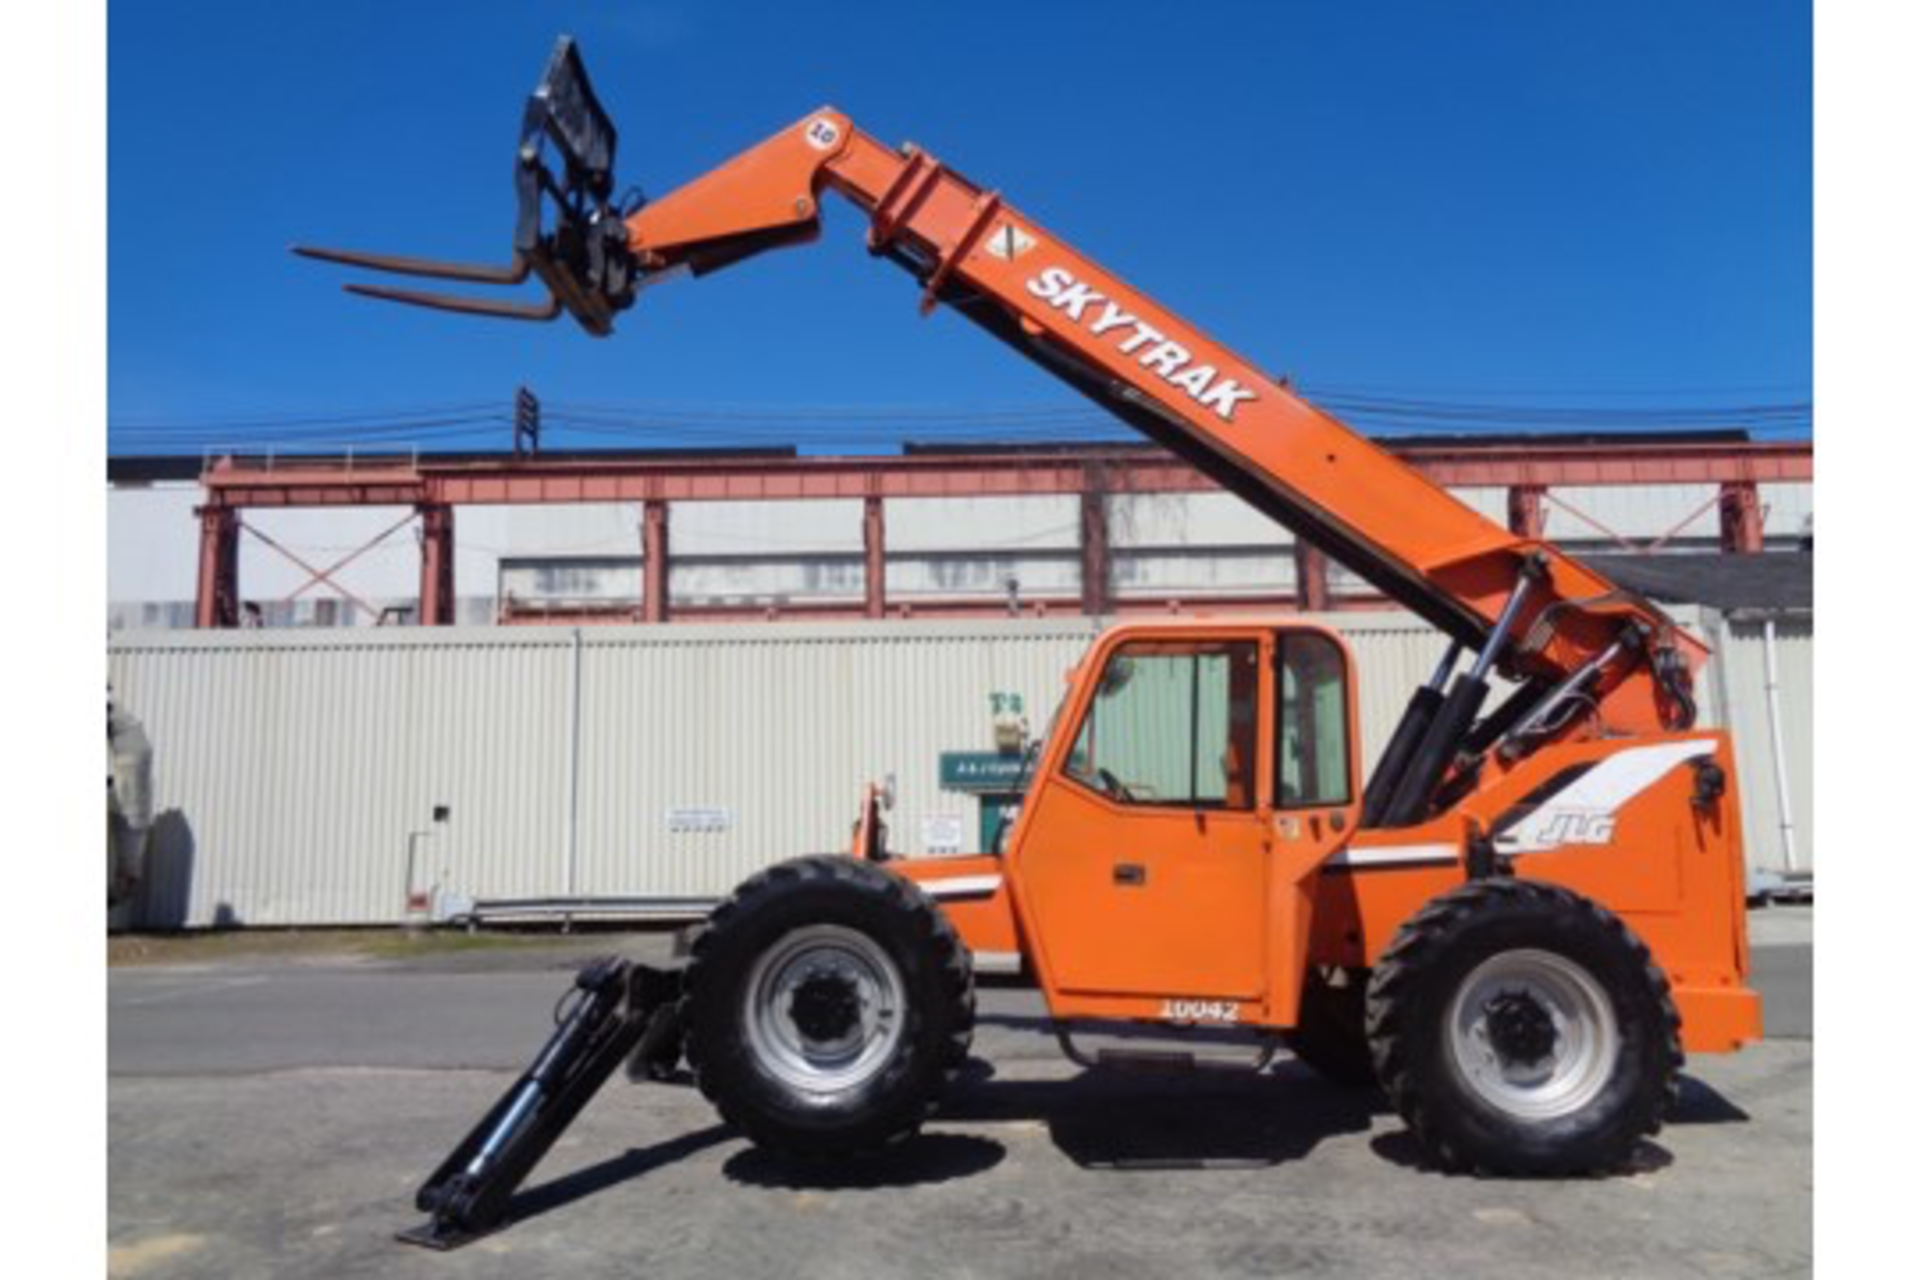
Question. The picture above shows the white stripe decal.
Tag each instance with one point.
(996, 962)
(1585, 811)
(1394, 855)
(961, 886)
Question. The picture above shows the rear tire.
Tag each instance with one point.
(1521, 1029)
(830, 1003)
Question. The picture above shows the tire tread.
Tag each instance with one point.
(1415, 952)
(930, 932)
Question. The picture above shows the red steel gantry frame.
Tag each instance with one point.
(433, 488)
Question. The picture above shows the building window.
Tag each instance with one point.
(571, 582)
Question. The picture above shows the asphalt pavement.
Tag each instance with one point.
(274, 1118)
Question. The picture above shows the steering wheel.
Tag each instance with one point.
(1113, 786)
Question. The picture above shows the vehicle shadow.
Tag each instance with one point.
(1099, 1119)
(634, 1163)
(1109, 1119)
(1701, 1103)
(922, 1160)
(1400, 1148)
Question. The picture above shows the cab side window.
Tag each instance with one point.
(1173, 724)
(1312, 758)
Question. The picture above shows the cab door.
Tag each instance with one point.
(1316, 803)
(1171, 851)
(1142, 863)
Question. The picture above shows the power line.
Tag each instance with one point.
(817, 426)
(1316, 387)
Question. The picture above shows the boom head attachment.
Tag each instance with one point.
(571, 232)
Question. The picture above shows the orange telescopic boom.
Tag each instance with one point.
(974, 252)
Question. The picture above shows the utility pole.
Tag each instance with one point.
(526, 424)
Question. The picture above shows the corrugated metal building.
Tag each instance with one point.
(349, 556)
(295, 769)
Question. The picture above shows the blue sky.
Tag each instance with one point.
(1483, 202)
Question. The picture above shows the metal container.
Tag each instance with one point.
(295, 770)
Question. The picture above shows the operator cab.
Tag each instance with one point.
(1202, 774)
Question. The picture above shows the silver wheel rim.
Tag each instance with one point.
(1585, 1034)
(860, 974)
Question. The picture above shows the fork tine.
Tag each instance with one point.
(428, 268)
(463, 305)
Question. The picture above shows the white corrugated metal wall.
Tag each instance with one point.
(291, 766)
(1742, 672)
(777, 729)
(295, 771)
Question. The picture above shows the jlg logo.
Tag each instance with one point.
(1152, 348)
(1573, 827)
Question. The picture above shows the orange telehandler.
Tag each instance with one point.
(1514, 928)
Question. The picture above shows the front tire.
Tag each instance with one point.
(1521, 1029)
(830, 1003)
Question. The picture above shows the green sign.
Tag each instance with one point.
(980, 771)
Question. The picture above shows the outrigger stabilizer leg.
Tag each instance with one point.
(618, 1010)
